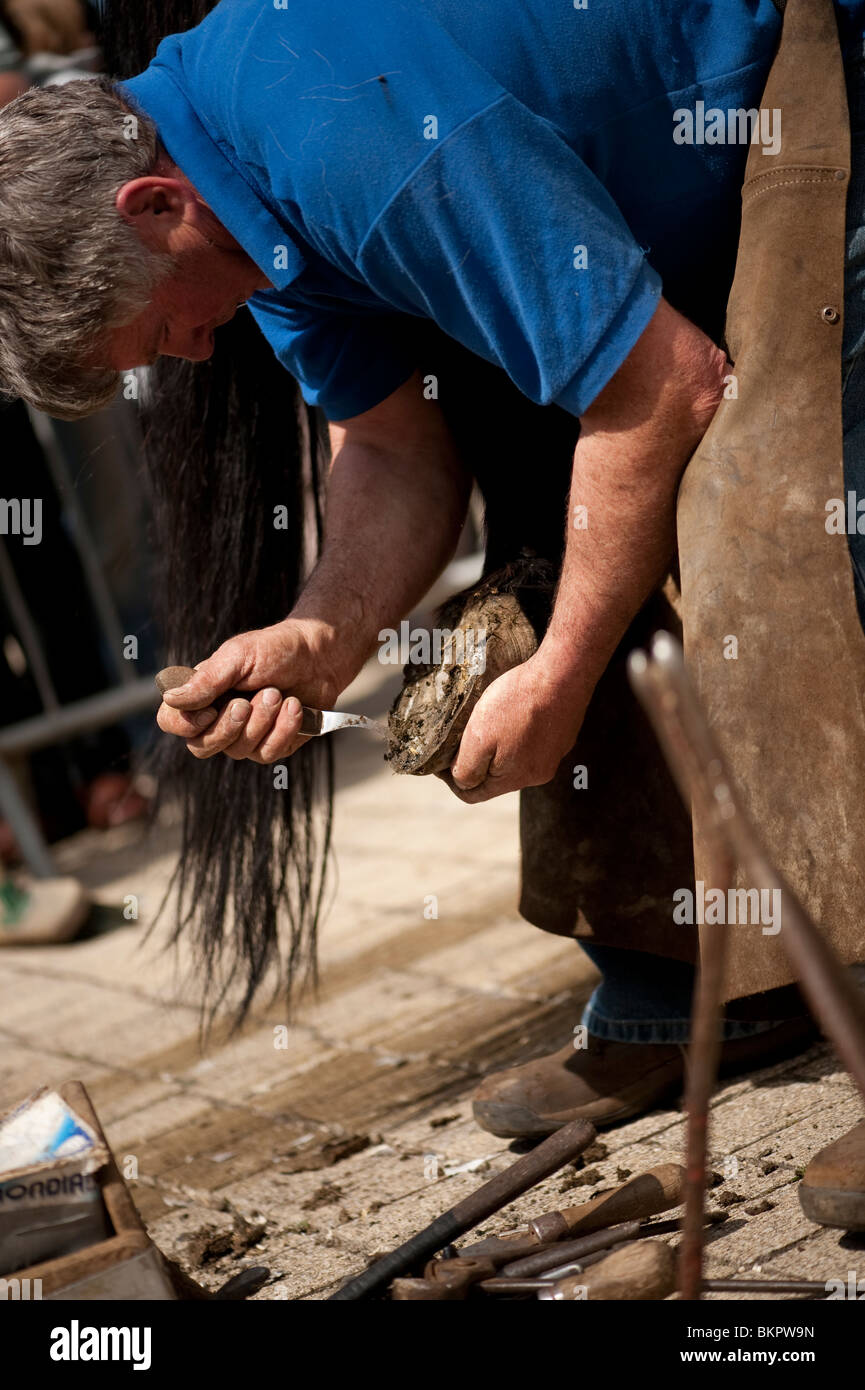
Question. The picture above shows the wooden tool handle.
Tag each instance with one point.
(644, 1270)
(657, 1190)
(172, 676)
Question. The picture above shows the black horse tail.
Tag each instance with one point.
(225, 442)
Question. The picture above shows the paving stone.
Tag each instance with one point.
(357, 1131)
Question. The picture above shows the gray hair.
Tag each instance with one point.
(71, 268)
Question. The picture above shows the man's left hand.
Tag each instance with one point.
(518, 733)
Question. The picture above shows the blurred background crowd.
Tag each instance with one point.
(77, 646)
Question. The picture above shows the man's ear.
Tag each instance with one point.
(151, 202)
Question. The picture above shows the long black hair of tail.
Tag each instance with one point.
(225, 442)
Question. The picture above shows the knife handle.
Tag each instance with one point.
(311, 722)
(172, 676)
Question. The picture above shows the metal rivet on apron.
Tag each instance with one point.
(840, 173)
(830, 315)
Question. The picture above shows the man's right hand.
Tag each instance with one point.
(396, 500)
(289, 664)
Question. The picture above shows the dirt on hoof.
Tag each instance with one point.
(480, 634)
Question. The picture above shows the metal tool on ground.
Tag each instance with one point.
(561, 1147)
(454, 1278)
(648, 1193)
(520, 1253)
(804, 1286)
(549, 1257)
(569, 1267)
(315, 721)
(662, 685)
(443, 1281)
(503, 1284)
(659, 1189)
(515, 1288)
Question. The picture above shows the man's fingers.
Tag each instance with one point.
(475, 795)
(264, 728)
(471, 766)
(223, 732)
(285, 736)
(185, 724)
(486, 792)
(265, 709)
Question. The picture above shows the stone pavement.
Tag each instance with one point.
(313, 1147)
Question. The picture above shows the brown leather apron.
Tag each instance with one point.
(756, 561)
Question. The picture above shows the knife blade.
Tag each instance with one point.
(326, 721)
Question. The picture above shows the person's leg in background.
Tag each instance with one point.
(41, 912)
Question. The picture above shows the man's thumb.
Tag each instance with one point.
(210, 679)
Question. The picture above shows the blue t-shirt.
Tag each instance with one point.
(520, 173)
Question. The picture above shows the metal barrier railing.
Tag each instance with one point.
(128, 695)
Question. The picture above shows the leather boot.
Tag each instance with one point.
(832, 1190)
(610, 1081)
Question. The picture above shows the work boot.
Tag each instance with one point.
(832, 1190)
(610, 1081)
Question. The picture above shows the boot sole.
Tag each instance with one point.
(833, 1206)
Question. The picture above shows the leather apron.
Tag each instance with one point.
(757, 564)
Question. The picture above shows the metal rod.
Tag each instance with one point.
(24, 825)
(662, 688)
(100, 594)
(563, 1250)
(700, 770)
(31, 640)
(54, 726)
(806, 1286)
(835, 1001)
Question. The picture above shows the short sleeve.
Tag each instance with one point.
(507, 240)
(344, 361)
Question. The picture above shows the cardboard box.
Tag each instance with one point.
(121, 1263)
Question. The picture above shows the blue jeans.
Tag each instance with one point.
(644, 998)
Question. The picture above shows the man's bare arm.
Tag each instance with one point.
(396, 500)
(635, 441)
